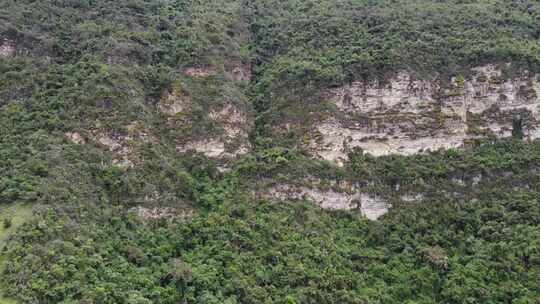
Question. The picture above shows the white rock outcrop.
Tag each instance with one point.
(200, 72)
(232, 142)
(373, 207)
(174, 103)
(240, 72)
(370, 206)
(7, 48)
(407, 116)
(76, 138)
(119, 146)
(232, 122)
(154, 213)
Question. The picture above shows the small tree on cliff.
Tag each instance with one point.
(517, 127)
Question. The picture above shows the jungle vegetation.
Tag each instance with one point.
(91, 66)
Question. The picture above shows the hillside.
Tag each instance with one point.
(265, 151)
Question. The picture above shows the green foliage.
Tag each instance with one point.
(426, 172)
(365, 37)
(102, 67)
(12, 216)
(7, 301)
(7, 223)
(302, 48)
(449, 248)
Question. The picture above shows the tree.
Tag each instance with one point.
(7, 223)
(180, 273)
(517, 127)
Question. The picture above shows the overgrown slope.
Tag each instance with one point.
(152, 138)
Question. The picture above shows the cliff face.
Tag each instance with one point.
(177, 144)
(215, 122)
(7, 47)
(329, 195)
(406, 116)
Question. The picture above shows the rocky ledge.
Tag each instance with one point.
(405, 115)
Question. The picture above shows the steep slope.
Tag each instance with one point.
(183, 151)
(407, 116)
(394, 76)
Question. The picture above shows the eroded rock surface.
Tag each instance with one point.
(200, 72)
(154, 213)
(240, 72)
(176, 102)
(119, 146)
(373, 207)
(232, 141)
(370, 206)
(212, 148)
(407, 116)
(122, 145)
(7, 48)
(76, 138)
(229, 141)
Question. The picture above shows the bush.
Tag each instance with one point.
(7, 223)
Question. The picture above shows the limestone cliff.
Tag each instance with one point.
(329, 195)
(405, 115)
(7, 47)
(214, 124)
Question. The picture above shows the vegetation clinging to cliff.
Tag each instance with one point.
(97, 66)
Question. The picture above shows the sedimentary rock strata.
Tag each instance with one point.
(369, 206)
(76, 138)
(405, 115)
(7, 48)
(155, 213)
(232, 141)
(119, 146)
(200, 72)
(232, 121)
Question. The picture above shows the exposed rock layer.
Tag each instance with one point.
(337, 198)
(232, 122)
(231, 142)
(407, 116)
(7, 48)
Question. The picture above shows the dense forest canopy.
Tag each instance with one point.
(76, 75)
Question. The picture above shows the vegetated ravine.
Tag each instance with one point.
(265, 151)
